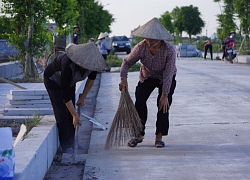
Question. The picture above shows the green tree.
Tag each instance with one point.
(93, 19)
(242, 8)
(191, 21)
(178, 26)
(226, 19)
(166, 21)
(6, 27)
(63, 12)
(23, 23)
(27, 20)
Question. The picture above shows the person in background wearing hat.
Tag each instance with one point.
(208, 45)
(60, 78)
(103, 46)
(158, 70)
(91, 40)
(75, 35)
(228, 42)
(108, 40)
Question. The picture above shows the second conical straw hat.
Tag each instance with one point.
(86, 55)
(101, 35)
(153, 30)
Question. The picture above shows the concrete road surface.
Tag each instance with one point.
(209, 128)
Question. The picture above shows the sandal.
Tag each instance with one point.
(133, 142)
(159, 144)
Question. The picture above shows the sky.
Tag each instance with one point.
(129, 14)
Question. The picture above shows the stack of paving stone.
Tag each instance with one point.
(27, 104)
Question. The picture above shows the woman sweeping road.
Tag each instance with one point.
(158, 70)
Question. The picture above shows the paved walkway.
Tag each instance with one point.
(209, 127)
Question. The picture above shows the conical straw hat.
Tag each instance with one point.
(153, 30)
(87, 56)
(101, 35)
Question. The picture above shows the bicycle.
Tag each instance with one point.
(42, 60)
(59, 44)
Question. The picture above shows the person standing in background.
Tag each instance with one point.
(208, 45)
(104, 48)
(108, 40)
(75, 35)
(103, 45)
(91, 40)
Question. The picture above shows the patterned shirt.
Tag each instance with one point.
(161, 65)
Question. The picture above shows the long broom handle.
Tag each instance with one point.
(12, 83)
(76, 132)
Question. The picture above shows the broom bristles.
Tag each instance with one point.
(126, 123)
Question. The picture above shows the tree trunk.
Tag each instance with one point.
(189, 38)
(29, 65)
(248, 42)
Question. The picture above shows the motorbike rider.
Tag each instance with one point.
(228, 43)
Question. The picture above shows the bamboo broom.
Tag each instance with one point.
(126, 123)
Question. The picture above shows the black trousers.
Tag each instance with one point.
(210, 47)
(64, 119)
(142, 93)
(224, 53)
(105, 56)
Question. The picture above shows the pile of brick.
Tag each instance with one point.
(25, 104)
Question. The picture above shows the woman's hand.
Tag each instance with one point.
(76, 120)
(87, 87)
(163, 103)
(123, 84)
(81, 101)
